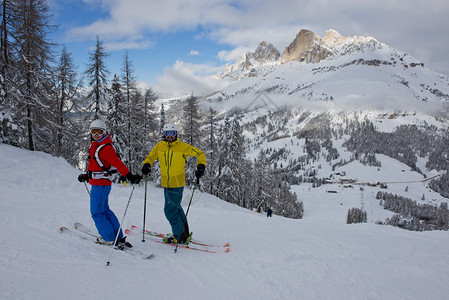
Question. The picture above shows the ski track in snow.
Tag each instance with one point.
(318, 257)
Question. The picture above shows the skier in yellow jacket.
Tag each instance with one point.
(172, 156)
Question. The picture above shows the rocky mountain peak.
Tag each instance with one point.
(332, 37)
(266, 52)
(307, 47)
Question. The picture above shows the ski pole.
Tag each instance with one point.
(87, 189)
(144, 209)
(187, 212)
(120, 228)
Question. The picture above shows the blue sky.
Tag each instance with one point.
(175, 45)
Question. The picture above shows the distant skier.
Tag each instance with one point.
(172, 155)
(269, 212)
(103, 165)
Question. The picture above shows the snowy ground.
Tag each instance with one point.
(318, 257)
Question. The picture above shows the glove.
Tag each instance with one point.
(146, 169)
(200, 170)
(83, 178)
(121, 179)
(134, 179)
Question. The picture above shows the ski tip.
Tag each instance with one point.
(227, 250)
(63, 228)
(226, 245)
(133, 226)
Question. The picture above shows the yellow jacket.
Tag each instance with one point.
(172, 160)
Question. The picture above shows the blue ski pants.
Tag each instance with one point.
(173, 210)
(105, 220)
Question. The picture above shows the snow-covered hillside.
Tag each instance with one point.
(318, 257)
(359, 73)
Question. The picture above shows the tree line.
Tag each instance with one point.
(412, 216)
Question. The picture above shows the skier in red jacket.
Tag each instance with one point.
(102, 168)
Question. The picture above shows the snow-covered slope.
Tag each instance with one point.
(318, 257)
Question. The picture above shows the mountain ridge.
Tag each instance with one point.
(343, 72)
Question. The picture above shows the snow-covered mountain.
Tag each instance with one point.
(336, 99)
(333, 73)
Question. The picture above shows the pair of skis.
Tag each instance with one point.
(87, 234)
(193, 245)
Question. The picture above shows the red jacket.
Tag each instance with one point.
(108, 157)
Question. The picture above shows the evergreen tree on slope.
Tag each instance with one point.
(130, 128)
(34, 108)
(65, 91)
(116, 115)
(150, 126)
(97, 73)
(211, 150)
(231, 184)
(8, 71)
(191, 134)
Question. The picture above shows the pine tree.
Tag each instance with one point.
(191, 134)
(223, 183)
(231, 184)
(263, 184)
(8, 67)
(356, 215)
(237, 157)
(117, 114)
(161, 120)
(151, 131)
(246, 187)
(192, 122)
(34, 111)
(132, 128)
(129, 90)
(210, 149)
(66, 96)
(139, 139)
(97, 75)
(150, 119)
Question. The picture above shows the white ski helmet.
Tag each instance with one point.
(98, 124)
(170, 127)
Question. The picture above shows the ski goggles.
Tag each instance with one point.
(170, 133)
(96, 131)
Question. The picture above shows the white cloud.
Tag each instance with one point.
(184, 79)
(234, 55)
(193, 53)
(143, 44)
(404, 24)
